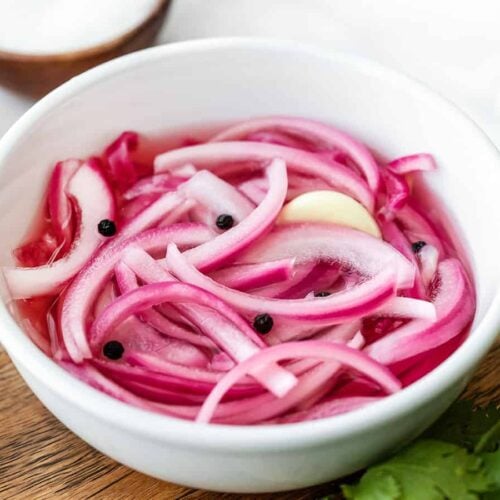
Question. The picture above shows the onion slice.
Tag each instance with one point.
(126, 280)
(217, 196)
(454, 307)
(353, 249)
(218, 321)
(312, 348)
(326, 409)
(428, 257)
(259, 408)
(60, 209)
(249, 276)
(277, 380)
(339, 307)
(326, 135)
(421, 162)
(228, 245)
(86, 285)
(95, 202)
(213, 156)
(408, 307)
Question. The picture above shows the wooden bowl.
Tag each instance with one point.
(35, 75)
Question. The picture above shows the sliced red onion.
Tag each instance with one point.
(324, 285)
(326, 409)
(179, 214)
(326, 135)
(166, 367)
(249, 276)
(429, 259)
(139, 337)
(264, 406)
(40, 252)
(217, 196)
(277, 380)
(37, 338)
(283, 331)
(125, 278)
(154, 372)
(299, 184)
(454, 307)
(152, 214)
(213, 156)
(422, 364)
(418, 227)
(280, 138)
(343, 332)
(60, 209)
(91, 376)
(156, 184)
(56, 349)
(253, 190)
(421, 162)
(127, 281)
(284, 289)
(397, 192)
(314, 242)
(350, 386)
(174, 330)
(86, 285)
(130, 209)
(200, 215)
(221, 362)
(343, 306)
(393, 235)
(161, 394)
(407, 307)
(229, 244)
(123, 170)
(187, 170)
(318, 349)
(95, 203)
(219, 322)
(321, 278)
(331, 371)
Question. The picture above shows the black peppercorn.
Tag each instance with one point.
(106, 227)
(224, 221)
(263, 323)
(418, 245)
(322, 294)
(113, 349)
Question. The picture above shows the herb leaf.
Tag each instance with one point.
(476, 429)
(375, 485)
(491, 464)
(426, 470)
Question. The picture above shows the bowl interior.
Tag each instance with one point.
(152, 93)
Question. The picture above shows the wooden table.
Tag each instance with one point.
(41, 459)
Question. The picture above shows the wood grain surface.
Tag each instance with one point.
(41, 459)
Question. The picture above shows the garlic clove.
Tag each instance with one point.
(332, 207)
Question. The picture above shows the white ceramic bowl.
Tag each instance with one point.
(210, 80)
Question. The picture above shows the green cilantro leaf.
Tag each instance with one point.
(458, 458)
(491, 465)
(426, 470)
(467, 426)
(375, 485)
(490, 440)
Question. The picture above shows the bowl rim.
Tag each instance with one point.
(245, 438)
